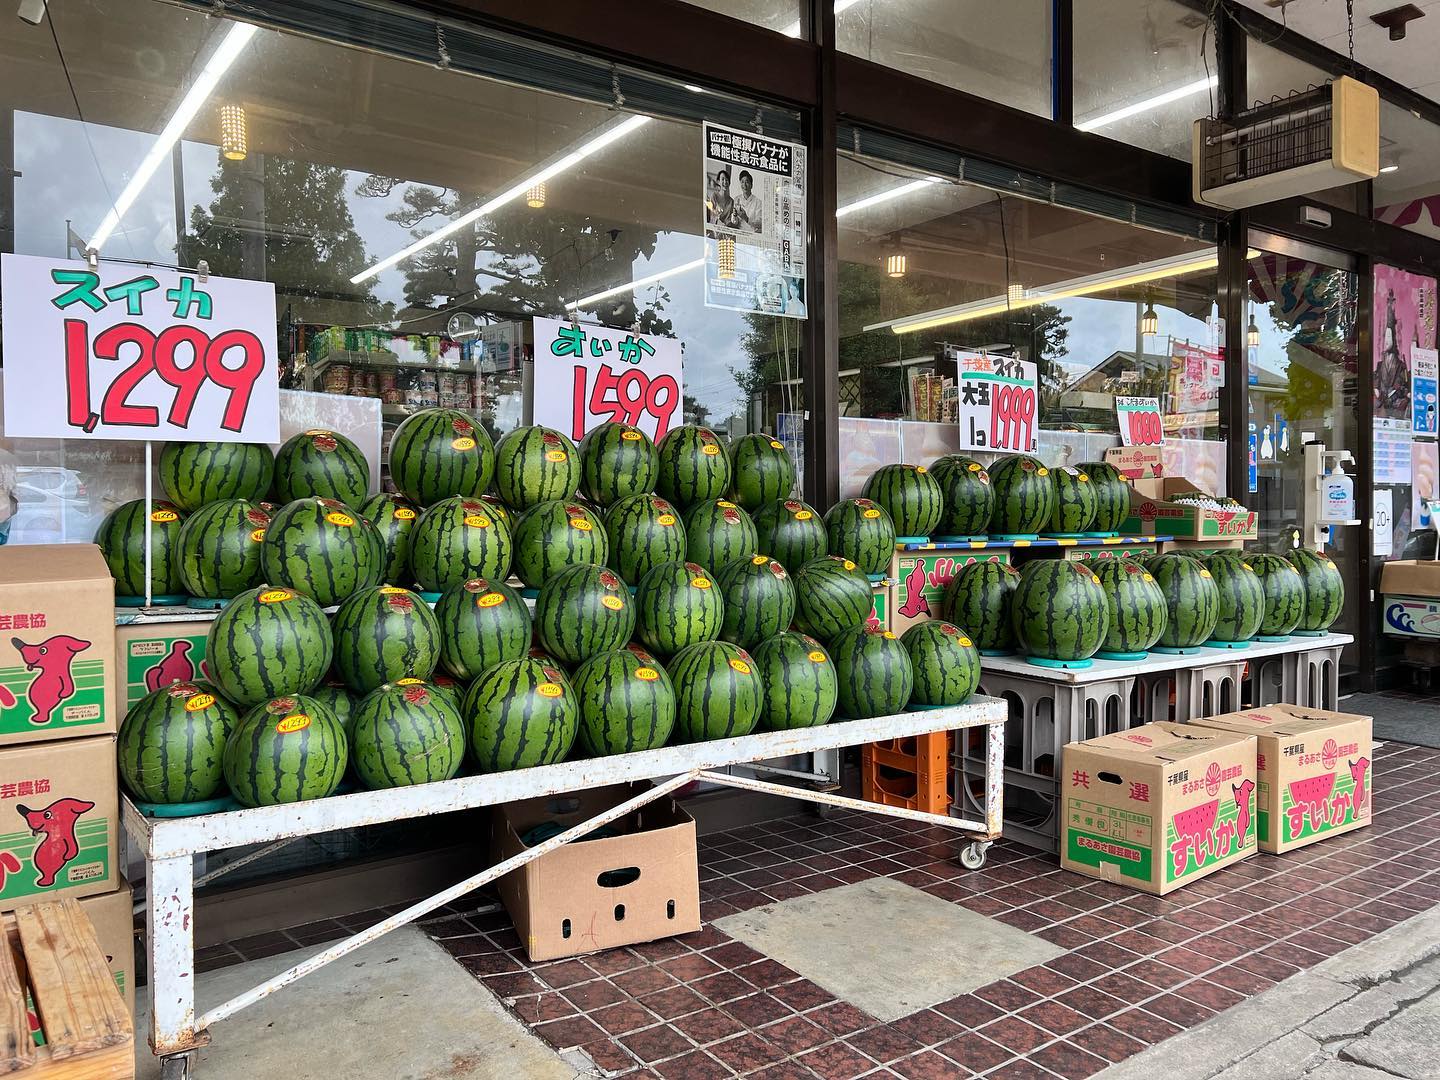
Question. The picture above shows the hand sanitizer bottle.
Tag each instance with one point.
(1337, 496)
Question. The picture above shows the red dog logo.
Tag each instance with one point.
(56, 827)
(915, 603)
(175, 667)
(1242, 794)
(52, 658)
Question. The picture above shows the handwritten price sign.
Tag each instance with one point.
(999, 407)
(131, 352)
(612, 375)
(1140, 422)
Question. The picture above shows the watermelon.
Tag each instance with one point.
(121, 538)
(677, 605)
(694, 467)
(717, 533)
(267, 643)
(1112, 495)
(482, 623)
(1284, 594)
(406, 734)
(285, 750)
(1324, 589)
(1241, 596)
(831, 595)
(759, 600)
(626, 703)
(458, 539)
(437, 453)
(943, 661)
(969, 498)
(645, 532)
(447, 687)
(171, 742)
(1060, 610)
(336, 697)
(617, 461)
(535, 465)
(791, 533)
(323, 549)
(799, 680)
(393, 517)
(1024, 496)
(979, 599)
(520, 713)
(873, 671)
(717, 692)
(859, 530)
(383, 634)
(219, 549)
(1137, 605)
(762, 471)
(196, 473)
(583, 611)
(321, 464)
(1075, 501)
(910, 495)
(554, 536)
(1192, 600)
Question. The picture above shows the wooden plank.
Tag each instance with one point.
(17, 1049)
(112, 1063)
(80, 1008)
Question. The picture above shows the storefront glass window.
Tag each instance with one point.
(782, 16)
(1407, 191)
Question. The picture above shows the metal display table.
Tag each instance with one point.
(170, 844)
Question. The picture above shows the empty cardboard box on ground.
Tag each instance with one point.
(637, 880)
(1158, 806)
(1314, 771)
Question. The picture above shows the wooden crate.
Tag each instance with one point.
(55, 958)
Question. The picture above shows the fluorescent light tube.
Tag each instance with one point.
(638, 283)
(793, 30)
(1177, 94)
(885, 196)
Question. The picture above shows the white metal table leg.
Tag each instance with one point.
(170, 940)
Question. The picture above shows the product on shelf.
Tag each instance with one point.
(910, 495)
(1138, 611)
(193, 474)
(1192, 600)
(943, 662)
(405, 733)
(626, 702)
(583, 611)
(482, 623)
(382, 635)
(617, 461)
(861, 530)
(798, 677)
(267, 643)
(694, 466)
(1060, 610)
(438, 453)
(645, 531)
(968, 497)
(321, 548)
(873, 672)
(677, 604)
(1241, 595)
(285, 750)
(1076, 502)
(321, 464)
(121, 539)
(1112, 493)
(980, 599)
(717, 692)
(554, 536)
(519, 714)
(1284, 594)
(1024, 496)
(717, 533)
(219, 548)
(458, 539)
(831, 595)
(171, 743)
(762, 471)
(535, 465)
(790, 532)
(1324, 589)
(759, 600)
(394, 518)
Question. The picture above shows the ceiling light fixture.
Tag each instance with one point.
(638, 283)
(896, 264)
(725, 258)
(1179, 93)
(885, 196)
(535, 196)
(234, 140)
(1150, 321)
(1252, 332)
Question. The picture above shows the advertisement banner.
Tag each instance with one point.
(1392, 455)
(999, 407)
(1424, 390)
(1196, 375)
(1140, 423)
(594, 374)
(1404, 319)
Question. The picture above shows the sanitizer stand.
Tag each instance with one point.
(1318, 517)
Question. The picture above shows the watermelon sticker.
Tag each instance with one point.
(740, 666)
(400, 603)
(803, 515)
(280, 705)
(1027, 465)
(257, 517)
(871, 514)
(404, 513)
(732, 517)
(477, 521)
(581, 524)
(1083, 478)
(919, 468)
(711, 450)
(257, 535)
(726, 505)
(476, 584)
(965, 641)
(552, 674)
(776, 444)
(817, 657)
(555, 455)
(609, 580)
(275, 596)
(337, 518)
(549, 689)
(665, 519)
(199, 701)
(407, 681)
(759, 560)
(162, 516)
(699, 583)
(1042, 471)
(1247, 566)
(630, 436)
(461, 426)
(390, 590)
(1204, 572)
(463, 443)
(777, 569)
(491, 599)
(889, 634)
(848, 564)
(614, 603)
(294, 722)
(183, 689)
(649, 674)
(323, 441)
(974, 466)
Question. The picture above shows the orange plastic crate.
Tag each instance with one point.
(913, 773)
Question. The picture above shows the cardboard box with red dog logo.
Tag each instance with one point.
(1314, 771)
(152, 655)
(1158, 806)
(57, 644)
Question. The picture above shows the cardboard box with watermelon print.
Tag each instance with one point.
(1314, 772)
(920, 577)
(1158, 806)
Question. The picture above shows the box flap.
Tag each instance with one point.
(1162, 742)
(1411, 577)
(28, 564)
(1275, 721)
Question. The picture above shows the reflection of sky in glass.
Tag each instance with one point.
(1100, 327)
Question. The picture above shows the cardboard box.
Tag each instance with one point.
(57, 643)
(59, 820)
(152, 655)
(1152, 513)
(880, 608)
(1158, 806)
(1107, 551)
(1411, 577)
(920, 578)
(114, 917)
(1411, 589)
(572, 900)
(1314, 772)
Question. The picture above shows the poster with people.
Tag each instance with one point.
(1404, 320)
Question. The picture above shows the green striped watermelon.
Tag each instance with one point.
(694, 467)
(761, 470)
(645, 532)
(1112, 495)
(617, 461)
(1324, 589)
(1192, 600)
(535, 465)
(1060, 610)
(759, 600)
(626, 703)
(406, 734)
(286, 750)
(321, 464)
(861, 531)
(554, 536)
(121, 538)
(583, 611)
(910, 495)
(717, 692)
(943, 661)
(449, 688)
(220, 545)
(873, 672)
(459, 539)
(171, 742)
(969, 498)
(322, 548)
(336, 697)
(197, 473)
(437, 453)
(520, 713)
(791, 533)
(1284, 594)
(383, 634)
(1076, 503)
(831, 595)
(1138, 612)
(481, 623)
(979, 599)
(717, 533)
(267, 643)
(393, 517)
(799, 680)
(1024, 496)
(677, 605)
(1241, 596)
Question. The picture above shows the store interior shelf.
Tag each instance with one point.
(381, 362)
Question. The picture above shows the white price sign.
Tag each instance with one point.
(135, 352)
(999, 406)
(1140, 422)
(590, 375)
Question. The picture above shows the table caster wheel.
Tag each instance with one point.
(972, 857)
(178, 1067)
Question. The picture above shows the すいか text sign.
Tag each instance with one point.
(1140, 422)
(134, 352)
(999, 408)
(586, 376)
